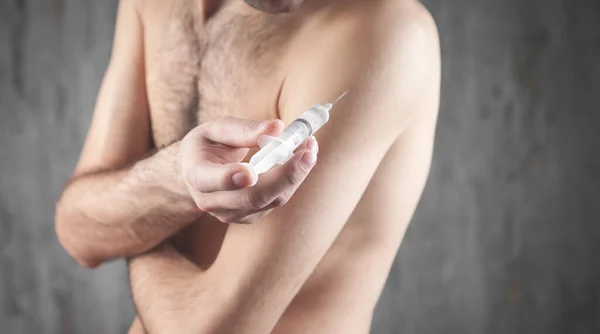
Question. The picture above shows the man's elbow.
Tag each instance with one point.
(64, 223)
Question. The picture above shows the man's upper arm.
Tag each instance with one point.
(393, 81)
(119, 133)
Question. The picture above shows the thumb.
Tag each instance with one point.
(209, 177)
(239, 132)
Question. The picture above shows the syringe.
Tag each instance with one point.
(277, 150)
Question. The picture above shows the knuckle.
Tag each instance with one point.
(225, 181)
(201, 207)
(201, 203)
(281, 200)
(292, 176)
(247, 201)
(256, 200)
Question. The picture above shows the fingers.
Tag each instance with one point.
(210, 177)
(309, 144)
(239, 132)
(274, 189)
(281, 183)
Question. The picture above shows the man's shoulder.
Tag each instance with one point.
(385, 32)
(392, 16)
(392, 23)
(383, 45)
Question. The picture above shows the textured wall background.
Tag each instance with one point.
(507, 235)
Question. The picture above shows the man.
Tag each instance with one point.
(159, 173)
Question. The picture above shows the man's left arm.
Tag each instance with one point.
(393, 83)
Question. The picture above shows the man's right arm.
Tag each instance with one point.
(119, 201)
(109, 214)
(122, 201)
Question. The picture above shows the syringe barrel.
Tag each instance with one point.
(316, 116)
(295, 134)
(305, 126)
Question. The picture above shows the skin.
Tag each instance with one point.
(274, 6)
(316, 264)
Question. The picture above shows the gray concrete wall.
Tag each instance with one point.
(507, 235)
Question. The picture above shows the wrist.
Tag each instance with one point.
(162, 172)
(175, 183)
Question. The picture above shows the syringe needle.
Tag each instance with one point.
(340, 97)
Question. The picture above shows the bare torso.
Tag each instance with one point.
(234, 64)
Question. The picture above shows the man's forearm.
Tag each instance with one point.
(173, 295)
(119, 213)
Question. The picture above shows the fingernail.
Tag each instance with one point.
(308, 160)
(241, 179)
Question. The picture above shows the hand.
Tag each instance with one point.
(222, 186)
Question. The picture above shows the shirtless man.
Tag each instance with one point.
(155, 182)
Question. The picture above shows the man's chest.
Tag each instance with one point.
(233, 65)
